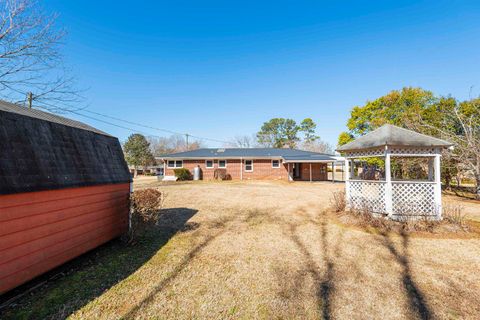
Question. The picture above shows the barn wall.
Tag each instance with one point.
(42, 230)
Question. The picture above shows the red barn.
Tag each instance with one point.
(64, 189)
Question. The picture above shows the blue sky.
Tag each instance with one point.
(221, 68)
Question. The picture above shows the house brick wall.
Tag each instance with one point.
(319, 172)
(262, 170)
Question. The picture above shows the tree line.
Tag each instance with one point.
(141, 150)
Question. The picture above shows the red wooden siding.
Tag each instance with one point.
(41, 230)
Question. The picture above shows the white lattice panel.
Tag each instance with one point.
(412, 151)
(370, 194)
(366, 153)
(413, 198)
(405, 151)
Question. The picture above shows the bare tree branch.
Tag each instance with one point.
(30, 58)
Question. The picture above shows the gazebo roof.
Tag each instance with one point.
(391, 135)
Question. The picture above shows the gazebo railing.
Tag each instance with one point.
(367, 193)
(409, 198)
(413, 198)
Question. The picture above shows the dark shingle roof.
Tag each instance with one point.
(42, 115)
(393, 136)
(41, 151)
(249, 153)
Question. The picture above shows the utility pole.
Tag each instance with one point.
(30, 99)
(186, 138)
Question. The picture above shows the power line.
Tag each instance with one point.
(134, 123)
(155, 128)
(129, 122)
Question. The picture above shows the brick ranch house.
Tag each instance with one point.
(253, 163)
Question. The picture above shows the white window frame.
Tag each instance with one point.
(245, 165)
(175, 164)
(218, 164)
(213, 164)
(278, 160)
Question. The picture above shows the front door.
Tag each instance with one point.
(297, 170)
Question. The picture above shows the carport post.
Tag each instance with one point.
(310, 172)
(241, 168)
(333, 171)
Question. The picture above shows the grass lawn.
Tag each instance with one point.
(264, 250)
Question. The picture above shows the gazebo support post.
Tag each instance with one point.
(388, 184)
(438, 185)
(347, 182)
(352, 168)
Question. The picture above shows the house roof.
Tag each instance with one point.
(235, 153)
(42, 151)
(393, 136)
(42, 115)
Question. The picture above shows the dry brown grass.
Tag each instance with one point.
(262, 250)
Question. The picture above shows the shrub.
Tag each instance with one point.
(182, 174)
(338, 201)
(145, 210)
(221, 174)
(454, 214)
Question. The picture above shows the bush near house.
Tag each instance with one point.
(182, 174)
(221, 174)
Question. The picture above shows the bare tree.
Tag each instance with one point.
(175, 143)
(461, 126)
(243, 142)
(318, 146)
(31, 66)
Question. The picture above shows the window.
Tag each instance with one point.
(209, 164)
(275, 163)
(175, 164)
(222, 163)
(248, 165)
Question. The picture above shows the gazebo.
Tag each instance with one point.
(397, 198)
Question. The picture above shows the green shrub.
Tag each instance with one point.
(182, 174)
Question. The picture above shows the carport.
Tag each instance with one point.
(310, 167)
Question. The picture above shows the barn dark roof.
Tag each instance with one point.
(393, 136)
(42, 151)
(287, 154)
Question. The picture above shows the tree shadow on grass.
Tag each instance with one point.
(324, 281)
(416, 298)
(61, 291)
(221, 228)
